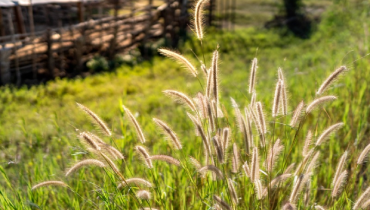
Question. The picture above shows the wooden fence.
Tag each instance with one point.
(63, 51)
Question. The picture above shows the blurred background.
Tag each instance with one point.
(103, 54)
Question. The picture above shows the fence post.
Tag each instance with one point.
(79, 51)
(2, 31)
(113, 41)
(19, 19)
(80, 11)
(50, 59)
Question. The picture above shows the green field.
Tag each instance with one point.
(38, 125)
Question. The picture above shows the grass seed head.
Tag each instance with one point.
(166, 158)
(136, 125)
(82, 163)
(136, 181)
(169, 132)
(318, 102)
(222, 203)
(49, 183)
(328, 132)
(179, 58)
(252, 77)
(145, 155)
(96, 119)
(361, 159)
(144, 195)
(332, 77)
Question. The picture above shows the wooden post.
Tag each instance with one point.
(115, 31)
(46, 13)
(19, 19)
(2, 31)
(5, 65)
(132, 14)
(79, 52)
(80, 11)
(11, 27)
(61, 54)
(50, 61)
(100, 11)
(32, 30)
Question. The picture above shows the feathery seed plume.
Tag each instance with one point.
(340, 167)
(297, 114)
(339, 183)
(307, 143)
(143, 195)
(261, 116)
(195, 121)
(330, 79)
(112, 150)
(273, 155)
(280, 74)
(215, 75)
(179, 58)
(211, 168)
(313, 164)
(326, 134)
(202, 134)
(111, 164)
(198, 18)
(289, 168)
(365, 204)
(255, 168)
(284, 97)
(84, 163)
(169, 132)
(318, 102)
(259, 190)
(279, 179)
(181, 97)
(235, 159)
(277, 97)
(195, 163)
(132, 119)
(242, 126)
(298, 186)
(289, 206)
(96, 119)
(252, 78)
(360, 201)
(253, 99)
(85, 137)
(145, 155)
(219, 149)
(209, 83)
(363, 155)
(136, 181)
(318, 207)
(166, 158)
(246, 169)
(232, 191)
(222, 203)
(211, 116)
(248, 126)
(262, 123)
(226, 139)
(49, 183)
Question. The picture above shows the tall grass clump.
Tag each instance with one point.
(239, 154)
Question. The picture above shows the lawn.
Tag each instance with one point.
(39, 125)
